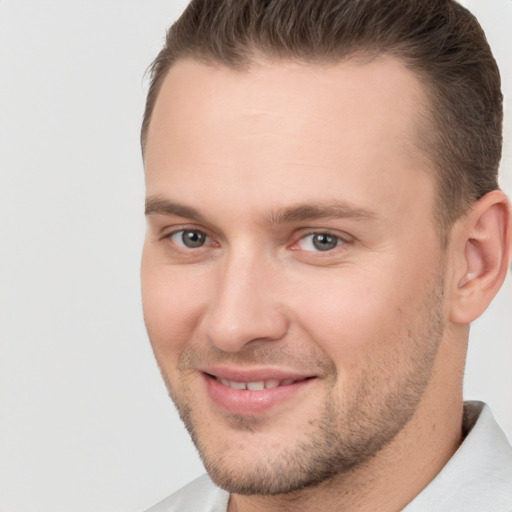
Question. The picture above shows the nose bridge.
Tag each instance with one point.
(246, 305)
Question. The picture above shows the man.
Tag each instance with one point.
(324, 223)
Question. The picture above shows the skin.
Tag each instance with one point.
(378, 323)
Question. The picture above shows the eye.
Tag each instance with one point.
(319, 242)
(189, 238)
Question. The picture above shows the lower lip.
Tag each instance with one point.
(249, 402)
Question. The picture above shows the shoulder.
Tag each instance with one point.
(200, 494)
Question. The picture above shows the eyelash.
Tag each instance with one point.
(339, 240)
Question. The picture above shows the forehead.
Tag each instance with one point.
(285, 130)
(374, 87)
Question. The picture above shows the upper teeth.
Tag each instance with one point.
(257, 385)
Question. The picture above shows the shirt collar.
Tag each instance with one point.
(479, 475)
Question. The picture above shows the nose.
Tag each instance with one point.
(246, 306)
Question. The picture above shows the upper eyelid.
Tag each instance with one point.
(198, 230)
(168, 231)
(328, 233)
(174, 231)
(163, 225)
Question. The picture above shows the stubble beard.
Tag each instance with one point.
(348, 432)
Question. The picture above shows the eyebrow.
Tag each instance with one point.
(313, 211)
(157, 205)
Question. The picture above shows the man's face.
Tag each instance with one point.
(291, 250)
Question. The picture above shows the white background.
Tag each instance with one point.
(85, 422)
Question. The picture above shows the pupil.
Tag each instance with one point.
(324, 242)
(193, 239)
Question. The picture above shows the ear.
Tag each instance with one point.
(482, 241)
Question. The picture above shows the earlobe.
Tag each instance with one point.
(484, 243)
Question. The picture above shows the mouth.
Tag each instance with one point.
(259, 385)
(253, 393)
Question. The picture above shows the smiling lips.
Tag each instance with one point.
(252, 393)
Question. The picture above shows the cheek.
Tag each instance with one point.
(173, 301)
(356, 315)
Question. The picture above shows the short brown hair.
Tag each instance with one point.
(438, 39)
